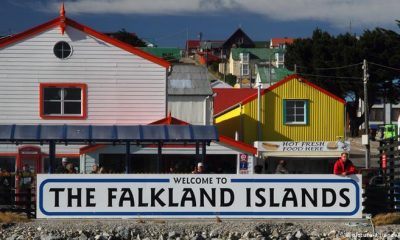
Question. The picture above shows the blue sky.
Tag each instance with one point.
(166, 21)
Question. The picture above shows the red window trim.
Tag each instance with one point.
(84, 100)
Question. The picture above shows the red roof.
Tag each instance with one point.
(237, 144)
(62, 22)
(169, 120)
(253, 96)
(193, 44)
(276, 42)
(228, 97)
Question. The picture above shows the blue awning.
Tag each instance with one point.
(82, 134)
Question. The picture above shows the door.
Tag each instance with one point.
(31, 157)
(28, 164)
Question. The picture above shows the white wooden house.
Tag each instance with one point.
(62, 72)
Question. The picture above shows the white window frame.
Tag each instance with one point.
(303, 104)
(245, 69)
(244, 57)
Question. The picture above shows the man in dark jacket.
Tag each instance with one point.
(343, 166)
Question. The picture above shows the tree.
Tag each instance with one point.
(317, 57)
(127, 37)
(231, 79)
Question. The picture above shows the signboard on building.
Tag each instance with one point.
(243, 163)
(294, 146)
(193, 196)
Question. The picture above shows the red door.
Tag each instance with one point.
(28, 163)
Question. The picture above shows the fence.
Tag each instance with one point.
(20, 199)
(383, 195)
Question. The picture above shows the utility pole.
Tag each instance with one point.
(295, 68)
(187, 42)
(366, 113)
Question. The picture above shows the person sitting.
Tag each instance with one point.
(343, 166)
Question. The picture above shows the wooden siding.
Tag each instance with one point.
(326, 116)
(230, 122)
(191, 109)
(122, 88)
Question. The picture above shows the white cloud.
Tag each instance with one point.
(336, 12)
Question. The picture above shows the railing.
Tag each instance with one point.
(21, 199)
(384, 196)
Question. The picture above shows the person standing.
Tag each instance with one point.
(95, 169)
(281, 168)
(70, 168)
(343, 166)
(25, 185)
(199, 169)
(63, 167)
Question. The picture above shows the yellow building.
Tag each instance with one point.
(293, 112)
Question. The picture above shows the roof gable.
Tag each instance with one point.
(59, 21)
(228, 97)
(193, 43)
(238, 39)
(301, 79)
(253, 96)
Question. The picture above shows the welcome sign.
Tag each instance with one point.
(194, 196)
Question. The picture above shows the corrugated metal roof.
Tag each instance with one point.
(277, 74)
(228, 97)
(263, 54)
(82, 134)
(189, 80)
(220, 84)
(169, 54)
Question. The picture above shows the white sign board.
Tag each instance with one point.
(198, 195)
(294, 146)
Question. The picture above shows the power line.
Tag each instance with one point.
(332, 68)
(383, 66)
(326, 76)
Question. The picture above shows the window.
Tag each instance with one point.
(62, 101)
(377, 114)
(295, 111)
(62, 50)
(395, 113)
(244, 57)
(245, 69)
(280, 57)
